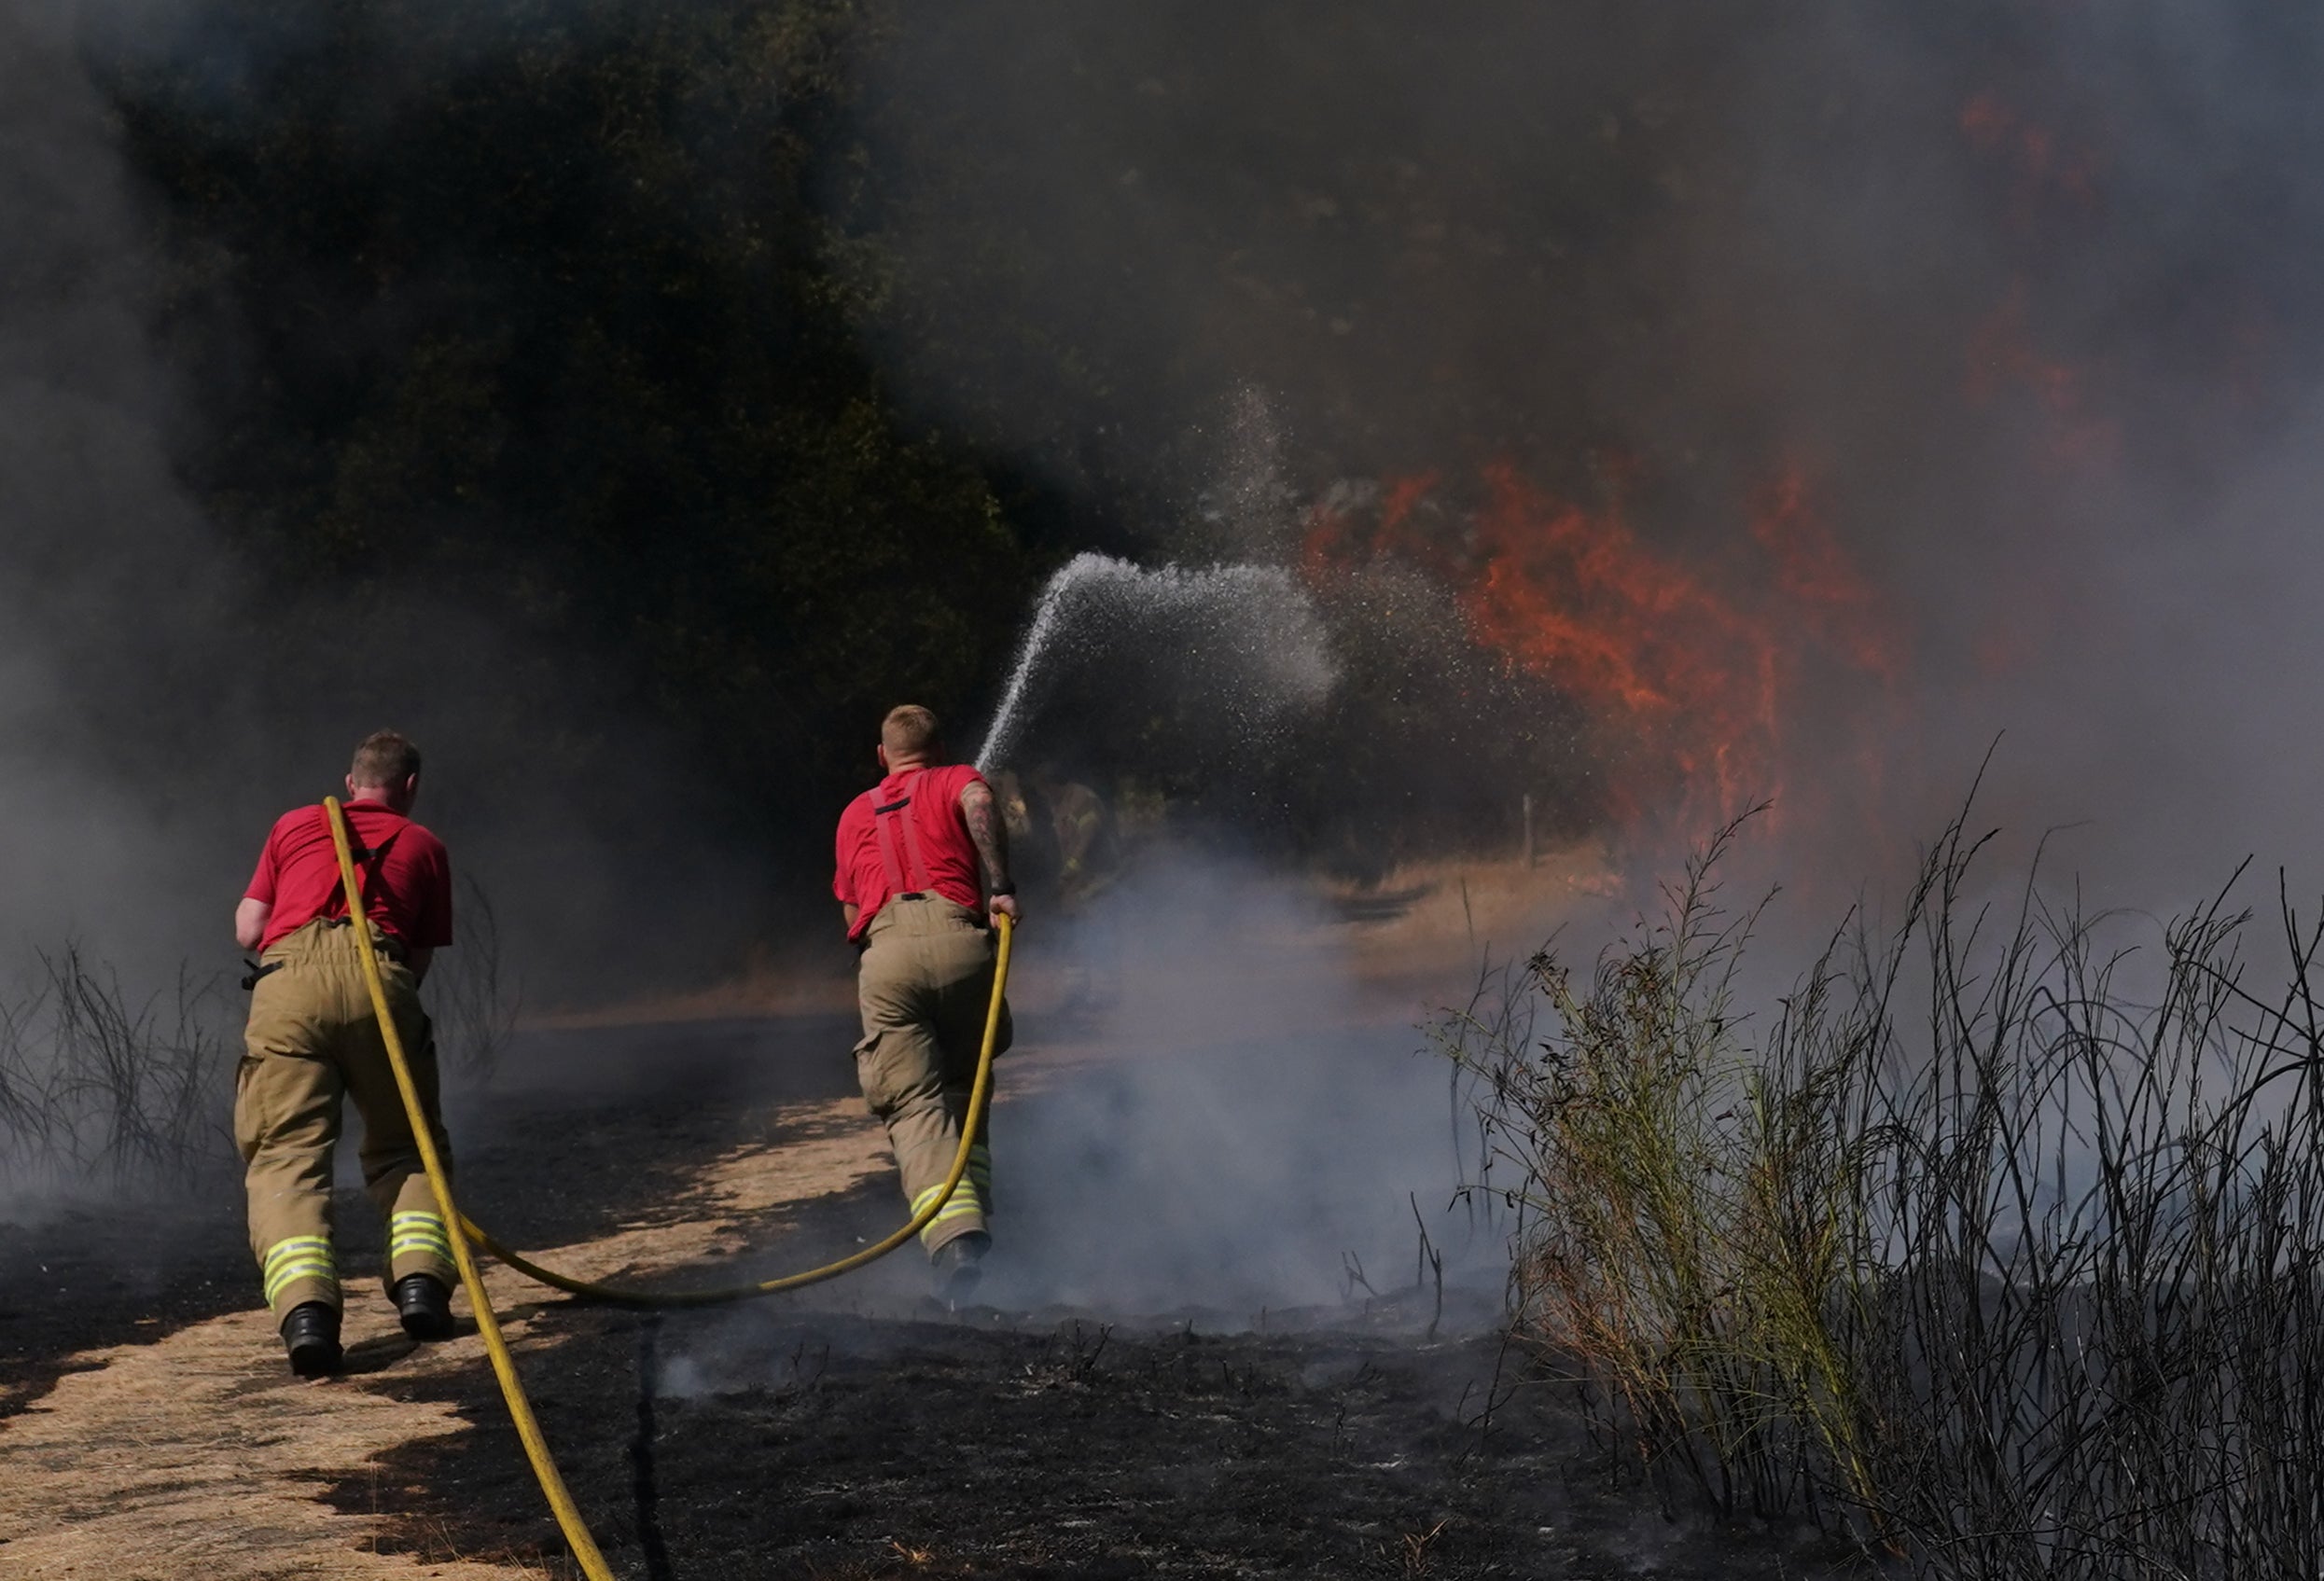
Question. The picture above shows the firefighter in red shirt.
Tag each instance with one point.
(922, 872)
(313, 1039)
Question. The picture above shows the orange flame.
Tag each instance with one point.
(1817, 575)
(1690, 670)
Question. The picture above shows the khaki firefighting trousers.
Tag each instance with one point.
(925, 985)
(311, 1041)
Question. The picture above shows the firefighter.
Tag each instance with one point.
(923, 879)
(1084, 836)
(313, 1039)
(1081, 832)
(1032, 836)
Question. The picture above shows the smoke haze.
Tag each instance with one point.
(2021, 289)
(2021, 292)
(108, 574)
(162, 695)
(1256, 1129)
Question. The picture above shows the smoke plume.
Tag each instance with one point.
(1255, 1134)
(2013, 303)
(109, 580)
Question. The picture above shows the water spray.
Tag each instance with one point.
(1255, 634)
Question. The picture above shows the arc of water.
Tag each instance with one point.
(1260, 620)
(1048, 615)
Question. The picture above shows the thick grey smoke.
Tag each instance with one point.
(2023, 286)
(1257, 1131)
(115, 600)
(159, 706)
(161, 698)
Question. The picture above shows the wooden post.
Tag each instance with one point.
(1528, 805)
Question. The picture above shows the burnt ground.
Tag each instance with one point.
(85, 1280)
(860, 1430)
(822, 1445)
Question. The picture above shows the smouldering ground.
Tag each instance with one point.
(854, 1431)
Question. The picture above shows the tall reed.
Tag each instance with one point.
(1994, 1245)
(99, 1090)
(473, 999)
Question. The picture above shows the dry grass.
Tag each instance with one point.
(197, 1452)
(1964, 1246)
(100, 1089)
(1413, 1554)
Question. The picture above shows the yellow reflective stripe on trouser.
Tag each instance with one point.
(301, 1257)
(418, 1233)
(962, 1206)
(981, 1174)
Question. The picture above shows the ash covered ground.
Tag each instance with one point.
(1082, 1423)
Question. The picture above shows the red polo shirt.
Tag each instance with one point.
(872, 871)
(407, 888)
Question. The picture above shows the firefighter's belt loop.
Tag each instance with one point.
(382, 942)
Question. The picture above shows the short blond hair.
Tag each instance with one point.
(909, 731)
(384, 759)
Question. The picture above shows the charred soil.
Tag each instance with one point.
(860, 1430)
(833, 1444)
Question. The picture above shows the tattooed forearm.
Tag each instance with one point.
(983, 816)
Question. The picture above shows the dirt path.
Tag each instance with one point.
(200, 1454)
(864, 1435)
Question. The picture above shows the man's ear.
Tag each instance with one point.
(882, 750)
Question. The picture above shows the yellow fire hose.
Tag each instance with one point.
(488, 1324)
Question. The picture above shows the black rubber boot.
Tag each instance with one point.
(311, 1334)
(425, 1304)
(956, 1268)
